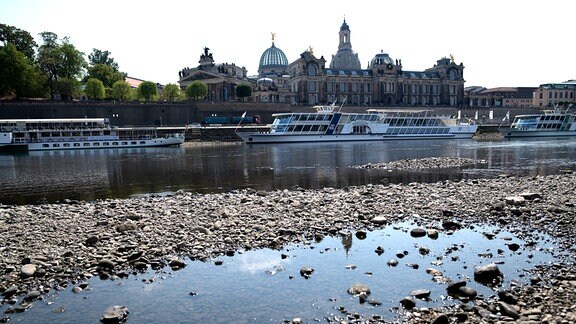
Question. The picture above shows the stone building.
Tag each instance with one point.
(221, 79)
(308, 80)
(505, 97)
(384, 82)
(552, 94)
(272, 84)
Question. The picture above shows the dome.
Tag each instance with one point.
(381, 59)
(273, 59)
(345, 59)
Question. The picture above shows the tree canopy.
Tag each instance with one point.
(171, 92)
(102, 57)
(121, 90)
(18, 77)
(147, 90)
(243, 91)
(94, 89)
(22, 39)
(196, 90)
(60, 61)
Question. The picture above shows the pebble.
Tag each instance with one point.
(55, 245)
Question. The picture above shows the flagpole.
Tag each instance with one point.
(240, 121)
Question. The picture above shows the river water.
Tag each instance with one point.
(218, 167)
(264, 286)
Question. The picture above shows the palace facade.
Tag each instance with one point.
(308, 81)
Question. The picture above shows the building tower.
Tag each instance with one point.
(345, 58)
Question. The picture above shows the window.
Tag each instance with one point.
(330, 86)
(312, 69)
(311, 85)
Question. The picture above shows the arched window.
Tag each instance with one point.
(452, 74)
(312, 69)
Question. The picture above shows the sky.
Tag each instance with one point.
(501, 43)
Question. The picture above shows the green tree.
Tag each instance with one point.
(171, 92)
(121, 90)
(68, 88)
(196, 90)
(104, 73)
(94, 89)
(243, 91)
(147, 90)
(17, 76)
(102, 57)
(22, 39)
(60, 61)
(73, 63)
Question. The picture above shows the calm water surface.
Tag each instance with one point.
(218, 167)
(262, 286)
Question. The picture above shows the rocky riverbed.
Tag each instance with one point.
(60, 246)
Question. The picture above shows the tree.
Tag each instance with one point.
(121, 90)
(60, 61)
(103, 68)
(147, 90)
(104, 73)
(73, 62)
(94, 89)
(68, 88)
(243, 91)
(17, 76)
(22, 39)
(102, 57)
(171, 92)
(196, 90)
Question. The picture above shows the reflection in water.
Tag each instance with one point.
(219, 167)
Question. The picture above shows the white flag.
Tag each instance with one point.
(476, 115)
(243, 115)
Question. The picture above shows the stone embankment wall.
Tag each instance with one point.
(182, 113)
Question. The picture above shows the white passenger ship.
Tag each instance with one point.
(328, 124)
(81, 133)
(550, 123)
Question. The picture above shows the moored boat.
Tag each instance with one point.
(549, 123)
(80, 133)
(329, 124)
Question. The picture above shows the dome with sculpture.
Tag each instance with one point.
(381, 59)
(273, 61)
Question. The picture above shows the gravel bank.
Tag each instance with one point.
(58, 245)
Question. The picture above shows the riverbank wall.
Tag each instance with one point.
(184, 113)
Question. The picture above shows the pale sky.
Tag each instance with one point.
(502, 43)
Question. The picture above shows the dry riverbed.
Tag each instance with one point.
(60, 246)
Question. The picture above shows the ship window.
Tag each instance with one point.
(85, 133)
(106, 132)
(55, 134)
(86, 144)
(105, 143)
(56, 145)
(96, 144)
(45, 145)
(142, 142)
(45, 134)
(66, 144)
(133, 143)
(115, 143)
(95, 133)
(124, 143)
(78, 144)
